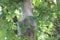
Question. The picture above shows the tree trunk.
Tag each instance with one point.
(27, 8)
(27, 20)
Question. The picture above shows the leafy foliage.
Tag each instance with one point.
(47, 18)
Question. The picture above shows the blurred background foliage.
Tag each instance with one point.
(46, 13)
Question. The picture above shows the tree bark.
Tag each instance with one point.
(26, 14)
(27, 8)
